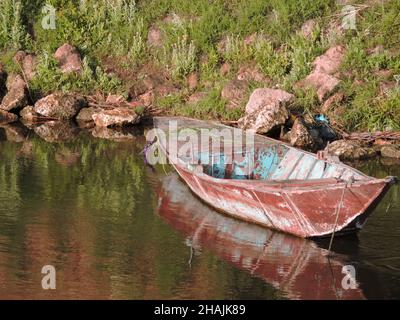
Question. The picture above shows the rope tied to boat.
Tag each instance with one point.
(146, 149)
(339, 207)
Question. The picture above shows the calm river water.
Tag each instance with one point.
(114, 228)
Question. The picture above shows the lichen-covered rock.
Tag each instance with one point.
(266, 110)
(323, 78)
(86, 114)
(391, 151)
(116, 117)
(349, 150)
(330, 61)
(263, 97)
(17, 95)
(300, 135)
(7, 117)
(60, 105)
(323, 83)
(28, 114)
(68, 58)
(115, 99)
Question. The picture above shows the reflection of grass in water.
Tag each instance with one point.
(106, 175)
(94, 173)
(9, 188)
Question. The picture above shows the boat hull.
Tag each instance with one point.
(304, 212)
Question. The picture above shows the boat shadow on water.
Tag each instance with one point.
(299, 268)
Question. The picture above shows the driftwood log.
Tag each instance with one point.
(372, 136)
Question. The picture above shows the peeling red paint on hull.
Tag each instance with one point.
(305, 208)
(309, 213)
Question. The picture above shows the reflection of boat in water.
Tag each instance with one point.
(296, 266)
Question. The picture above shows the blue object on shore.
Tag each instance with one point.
(321, 118)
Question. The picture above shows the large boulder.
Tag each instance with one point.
(235, 92)
(27, 63)
(17, 95)
(59, 105)
(350, 150)
(7, 117)
(391, 151)
(263, 97)
(68, 58)
(266, 110)
(116, 117)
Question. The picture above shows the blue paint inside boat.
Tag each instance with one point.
(275, 162)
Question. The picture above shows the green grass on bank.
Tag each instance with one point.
(199, 36)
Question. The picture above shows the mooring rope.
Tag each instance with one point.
(147, 148)
(337, 216)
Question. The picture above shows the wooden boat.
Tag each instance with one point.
(298, 268)
(285, 188)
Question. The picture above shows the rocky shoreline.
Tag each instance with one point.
(269, 110)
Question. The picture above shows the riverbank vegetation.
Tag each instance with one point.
(204, 58)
